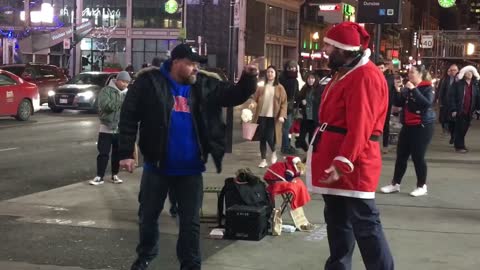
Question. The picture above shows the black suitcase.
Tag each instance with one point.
(246, 222)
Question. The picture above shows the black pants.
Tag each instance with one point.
(386, 128)
(462, 124)
(414, 141)
(189, 194)
(350, 219)
(266, 129)
(451, 129)
(307, 127)
(105, 143)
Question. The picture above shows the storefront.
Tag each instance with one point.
(126, 31)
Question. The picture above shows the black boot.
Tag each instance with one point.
(139, 265)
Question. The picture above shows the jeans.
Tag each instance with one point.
(189, 194)
(462, 124)
(266, 129)
(414, 141)
(350, 219)
(285, 132)
(105, 143)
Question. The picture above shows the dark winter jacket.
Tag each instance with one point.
(418, 101)
(290, 83)
(443, 90)
(391, 88)
(457, 95)
(149, 103)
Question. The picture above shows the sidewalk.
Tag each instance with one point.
(437, 232)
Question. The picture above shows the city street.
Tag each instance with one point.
(52, 219)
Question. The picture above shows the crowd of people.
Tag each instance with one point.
(176, 111)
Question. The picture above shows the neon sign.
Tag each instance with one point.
(329, 7)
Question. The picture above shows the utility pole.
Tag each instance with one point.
(231, 76)
(74, 45)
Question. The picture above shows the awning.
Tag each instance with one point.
(40, 41)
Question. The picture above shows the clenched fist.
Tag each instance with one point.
(128, 165)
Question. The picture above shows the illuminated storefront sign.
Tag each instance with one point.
(328, 7)
(171, 6)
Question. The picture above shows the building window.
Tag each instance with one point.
(52, 15)
(108, 13)
(144, 50)
(274, 20)
(291, 24)
(157, 14)
(94, 50)
(274, 55)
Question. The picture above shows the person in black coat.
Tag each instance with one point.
(464, 100)
(390, 78)
(448, 124)
(418, 119)
(288, 79)
(179, 109)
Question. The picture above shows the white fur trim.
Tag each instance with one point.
(341, 45)
(276, 174)
(466, 69)
(342, 192)
(345, 160)
(295, 160)
(365, 59)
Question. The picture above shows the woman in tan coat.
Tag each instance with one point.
(270, 113)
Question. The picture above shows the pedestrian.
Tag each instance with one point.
(129, 68)
(305, 101)
(289, 80)
(179, 110)
(157, 61)
(391, 92)
(418, 119)
(270, 102)
(464, 101)
(110, 101)
(447, 122)
(344, 159)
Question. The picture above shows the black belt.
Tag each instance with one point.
(326, 127)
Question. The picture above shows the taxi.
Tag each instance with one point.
(18, 98)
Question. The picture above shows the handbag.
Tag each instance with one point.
(248, 130)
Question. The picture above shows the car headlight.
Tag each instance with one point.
(51, 93)
(86, 94)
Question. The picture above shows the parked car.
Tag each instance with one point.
(18, 98)
(46, 77)
(80, 93)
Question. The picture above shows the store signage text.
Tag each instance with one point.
(328, 7)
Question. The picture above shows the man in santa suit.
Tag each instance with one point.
(344, 161)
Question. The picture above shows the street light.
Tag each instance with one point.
(470, 48)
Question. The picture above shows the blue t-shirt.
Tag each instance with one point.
(183, 151)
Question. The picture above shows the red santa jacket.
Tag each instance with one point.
(357, 102)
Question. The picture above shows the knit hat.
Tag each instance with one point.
(123, 76)
(348, 36)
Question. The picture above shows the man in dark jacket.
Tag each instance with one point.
(464, 100)
(180, 114)
(445, 84)
(391, 93)
(289, 81)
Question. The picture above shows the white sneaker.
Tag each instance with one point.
(96, 181)
(116, 180)
(263, 164)
(274, 157)
(390, 188)
(419, 191)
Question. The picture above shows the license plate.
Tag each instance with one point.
(63, 101)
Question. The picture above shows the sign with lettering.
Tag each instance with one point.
(427, 41)
(379, 11)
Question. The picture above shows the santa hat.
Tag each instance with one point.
(467, 69)
(348, 36)
(292, 163)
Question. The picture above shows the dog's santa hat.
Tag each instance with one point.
(348, 36)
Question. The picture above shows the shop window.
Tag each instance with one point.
(274, 20)
(144, 50)
(95, 54)
(157, 14)
(274, 55)
(291, 24)
(108, 13)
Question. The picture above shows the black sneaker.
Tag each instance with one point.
(139, 265)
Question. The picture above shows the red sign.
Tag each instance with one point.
(329, 7)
